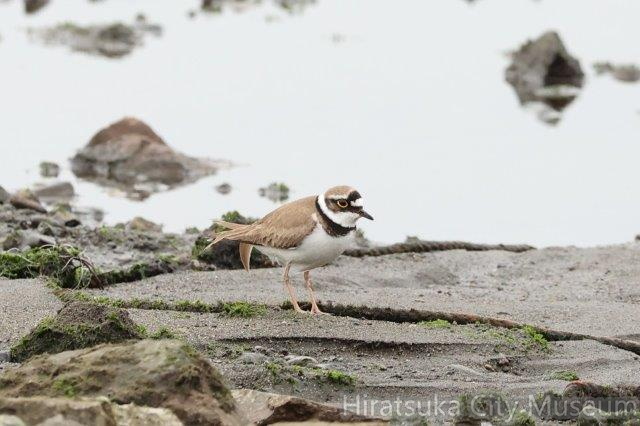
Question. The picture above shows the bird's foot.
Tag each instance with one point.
(299, 310)
(316, 311)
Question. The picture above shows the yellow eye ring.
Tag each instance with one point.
(342, 203)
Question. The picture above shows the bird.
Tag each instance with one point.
(301, 235)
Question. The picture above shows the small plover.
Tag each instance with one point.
(303, 234)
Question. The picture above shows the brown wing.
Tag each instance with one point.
(283, 228)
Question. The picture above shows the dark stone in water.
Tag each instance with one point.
(129, 153)
(32, 6)
(113, 40)
(49, 169)
(543, 71)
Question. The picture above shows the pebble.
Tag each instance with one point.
(252, 358)
(300, 360)
(5, 356)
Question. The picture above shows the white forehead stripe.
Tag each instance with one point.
(357, 202)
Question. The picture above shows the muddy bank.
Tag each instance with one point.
(377, 345)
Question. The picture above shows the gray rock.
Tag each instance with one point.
(42, 411)
(5, 356)
(223, 188)
(464, 369)
(32, 6)
(252, 358)
(143, 225)
(628, 73)
(276, 192)
(9, 420)
(543, 71)
(25, 199)
(56, 191)
(300, 360)
(264, 408)
(111, 40)
(4, 195)
(49, 169)
(157, 373)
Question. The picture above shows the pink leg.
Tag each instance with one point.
(314, 306)
(290, 290)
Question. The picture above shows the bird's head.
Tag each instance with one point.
(343, 205)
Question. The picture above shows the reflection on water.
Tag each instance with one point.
(217, 6)
(409, 108)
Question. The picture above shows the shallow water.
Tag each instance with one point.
(404, 100)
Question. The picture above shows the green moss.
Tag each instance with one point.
(340, 378)
(568, 376)
(111, 233)
(78, 325)
(525, 338)
(61, 263)
(243, 309)
(65, 387)
(523, 418)
(536, 338)
(273, 368)
(163, 333)
(438, 323)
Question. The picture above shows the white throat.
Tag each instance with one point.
(346, 219)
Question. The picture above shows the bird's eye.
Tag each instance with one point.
(342, 203)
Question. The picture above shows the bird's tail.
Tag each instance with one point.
(234, 231)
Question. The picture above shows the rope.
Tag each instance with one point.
(429, 246)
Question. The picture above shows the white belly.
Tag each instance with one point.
(317, 249)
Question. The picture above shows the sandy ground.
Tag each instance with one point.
(594, 291)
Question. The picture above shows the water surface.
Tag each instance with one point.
(404, 100)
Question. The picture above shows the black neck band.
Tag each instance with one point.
(332, 228)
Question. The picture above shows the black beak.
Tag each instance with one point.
(365, 215)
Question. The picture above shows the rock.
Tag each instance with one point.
(97, 411)
(153, 373)
(264, 408)
(224, 255)
(109, 40)
(77, 325)
(223, 188)
(581, 388)
(32, 6)
(25, 199)
(300, 360)
(543, 71)
(65, 216)
(5, 356)
(465, 370)
(276, 192)
(142, 225)
(252, 358)
(628, 73)
(32, 239)
(55, 192)
(592, 416)
(8, 420)
(4, 195)
(129, 153)
(134, 415)
(49, 169)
